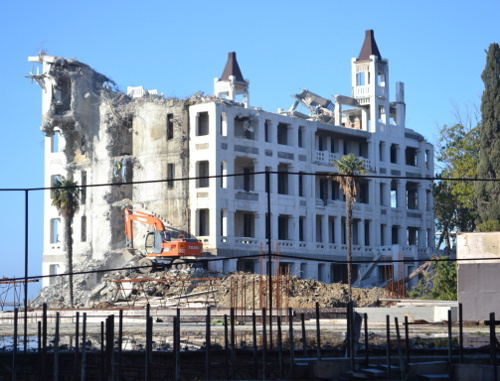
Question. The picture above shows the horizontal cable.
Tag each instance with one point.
(333, 174)
(264, 256)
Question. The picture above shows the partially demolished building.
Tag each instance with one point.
(96, 134)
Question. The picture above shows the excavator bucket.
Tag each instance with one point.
(129, 254)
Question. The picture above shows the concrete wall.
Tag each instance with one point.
(478, 286)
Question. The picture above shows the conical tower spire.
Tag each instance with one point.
(232, 69)
(232, 83)
(370, 47)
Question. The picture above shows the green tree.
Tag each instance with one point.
(66, 198)
(455, 204)
(438, 283)
(488, 192)
(348, 167)
(489, 226)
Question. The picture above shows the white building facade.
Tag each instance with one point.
(235, 144)
(393, 217)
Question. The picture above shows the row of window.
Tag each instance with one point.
(244, 226)
(411, 153)
(327, 230)
(334, 273)
(411, 157)
(246, 127)
(327, 189)
(363, 78)
(55, 226)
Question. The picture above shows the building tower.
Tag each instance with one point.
(370, 76)
(231, 83)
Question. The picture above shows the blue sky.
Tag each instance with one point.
(437, 48)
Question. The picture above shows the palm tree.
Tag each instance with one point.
(66, 198)
(348, 167)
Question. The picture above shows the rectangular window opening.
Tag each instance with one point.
(203, 222)
(331, 229)
(283, 227)
(170, 175)
(395, 235)
(55, 141)
(203, 168)
(319, 228)
(83, 195)
(203, 124)
(267, 130)
(394, 153)
(170, 126)
(300, 137)
(283, 133)
(411, 156)
(83, 237)
(54, 230)
(302, 229)
(283, 179)
(301, 184)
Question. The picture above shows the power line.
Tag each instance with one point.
(275, 255)
(316, 174)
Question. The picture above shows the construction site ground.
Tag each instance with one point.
(246, 293)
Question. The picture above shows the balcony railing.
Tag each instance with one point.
(325, 157)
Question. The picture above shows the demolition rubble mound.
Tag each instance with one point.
(129, 288)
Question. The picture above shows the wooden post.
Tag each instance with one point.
(84, 348)
(264, 344)
(44, 340)
(318, 333)
(226, 345)
(102, 350)
(290, 334)
(176, 349)
(367, 355)
(39, 361)
(280, 347)
(254, 334)
(77, 344)
(233, 355)
(56, 349)
(493, 345)
(388, 339)
(208, 344)
(461, 333)
(304, 338)
(400, 350)
(14, 347)
(450, 343)
(120, 343)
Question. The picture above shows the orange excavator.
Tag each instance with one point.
(160, 250)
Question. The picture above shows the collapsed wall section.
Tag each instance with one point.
(95, 134)
(86, 127)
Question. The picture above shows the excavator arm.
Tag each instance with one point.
(145, 218)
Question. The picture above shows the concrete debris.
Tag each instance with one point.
(127, 288)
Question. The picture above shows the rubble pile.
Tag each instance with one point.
(295, 292)
(198, 286)
(56, 295)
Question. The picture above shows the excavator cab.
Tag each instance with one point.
(154, 241)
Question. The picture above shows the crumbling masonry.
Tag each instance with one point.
(96, 134)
